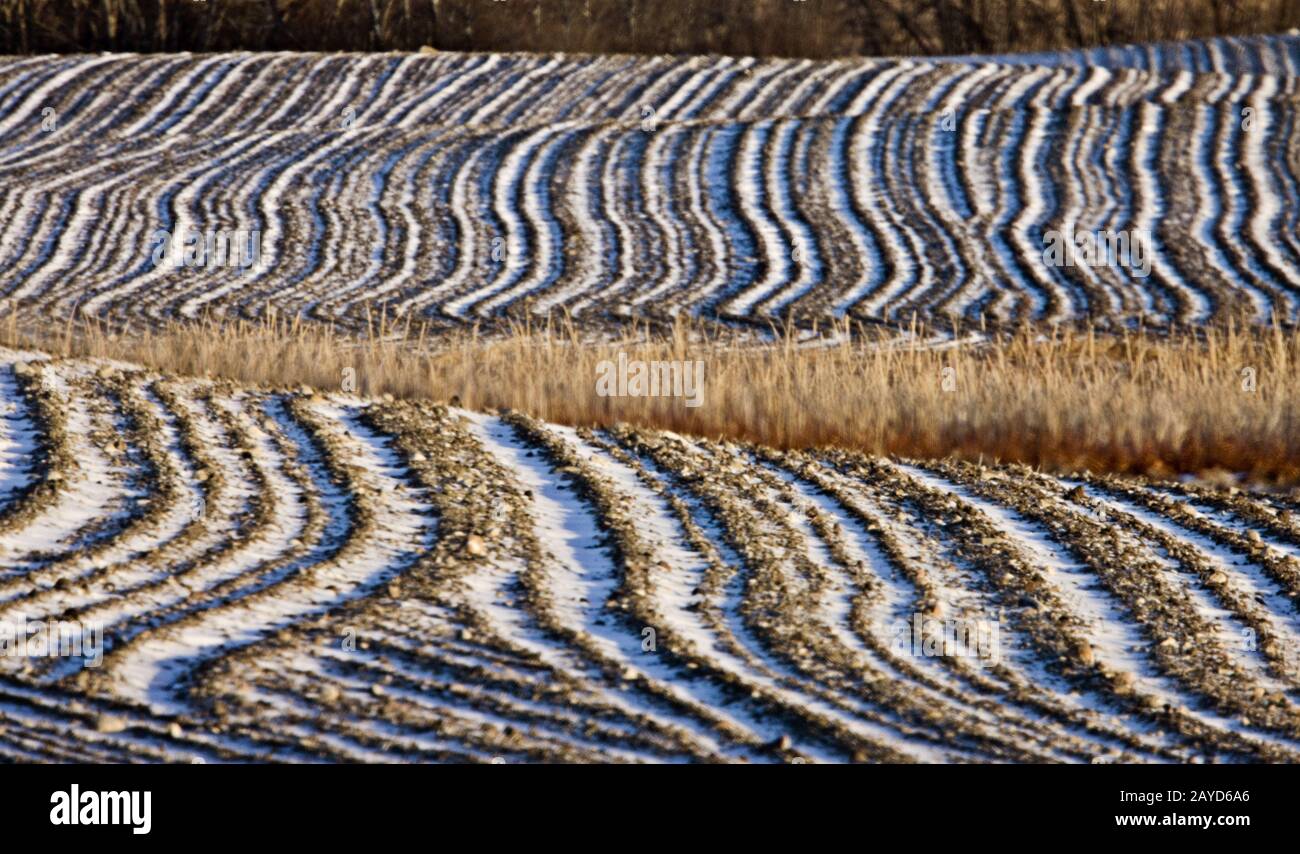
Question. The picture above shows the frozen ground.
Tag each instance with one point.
(293, 576)
(455, 188)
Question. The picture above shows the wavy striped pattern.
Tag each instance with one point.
(460, 188)
(291, 576)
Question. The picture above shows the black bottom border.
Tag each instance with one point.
(216, 803)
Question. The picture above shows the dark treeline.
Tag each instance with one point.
(813, 28)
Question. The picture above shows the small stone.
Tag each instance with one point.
(330, 694)
(474, 546)
(109, 724)
(1123, 682)
(174, 730)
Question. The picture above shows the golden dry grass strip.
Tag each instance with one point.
(1220, 399)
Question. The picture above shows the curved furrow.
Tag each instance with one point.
(1096, 202)
(758, 200)
(85, 727)
(35, 452)
(865, 176)
(224, 510)
(939, 182)
(941, 253)
(1259, 590)
(931, 574)
(843, 548)
(546, 250)
(786, 179)
(498, 694)
(96, 485)
(25, 105)
(675, 593)
(362, 544)
(1274, 195)
(938, 562)
(1249, 203)
(1216, 229)
(661, 188)
(1188, 293)
(703, 604)
(69, 127)
(595, 255)
(514, 205)
(1188, 681)
(578, 584)
(492, 569)
(1039, 199)
(368, 678)
(463, 204)
(637, 258)
(712, 250)
(255, 541)
(394, 260)
(148, 545)
(1235, 617)
(754, 605)
(1010, 128)
(682, 574)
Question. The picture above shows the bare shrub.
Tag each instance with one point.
(812, 28)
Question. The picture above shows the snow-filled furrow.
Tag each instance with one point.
(148, 668)
(94, 494)
(580, 574)
(1243, 576)
(1117, 640)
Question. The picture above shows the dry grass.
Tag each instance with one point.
(814, 28)
(1135, 402)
